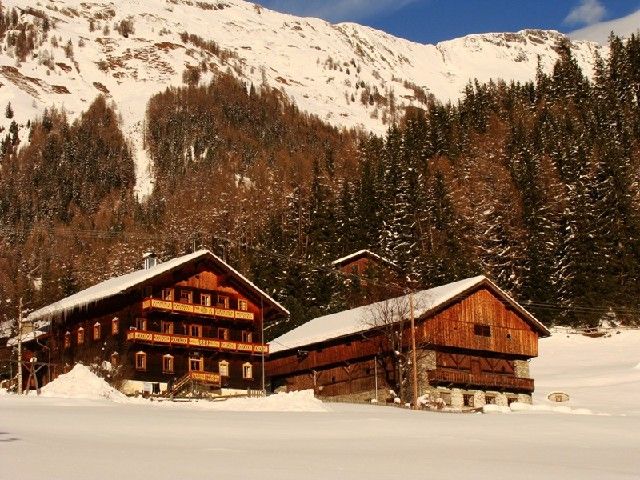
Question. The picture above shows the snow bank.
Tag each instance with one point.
(81, 382)
(301, 401)
(526, 407)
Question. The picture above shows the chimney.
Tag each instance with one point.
(150, 260)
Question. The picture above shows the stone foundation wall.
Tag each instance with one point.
(521, 368)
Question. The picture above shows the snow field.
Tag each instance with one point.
(83, 438)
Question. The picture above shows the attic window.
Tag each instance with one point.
(481, 330)
(242, 305)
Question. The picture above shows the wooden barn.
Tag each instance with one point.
(191, 320)
(369, 276)
(474, 343)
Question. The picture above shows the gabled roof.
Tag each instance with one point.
(124, 283)
(356, 320)
(362, 253)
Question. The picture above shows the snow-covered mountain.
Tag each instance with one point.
(131, 49)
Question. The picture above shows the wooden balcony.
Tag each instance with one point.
(483, 380)
(210, 378)
(179, 307)
(155, 338)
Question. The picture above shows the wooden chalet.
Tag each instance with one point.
(192, 319)
(473, 341)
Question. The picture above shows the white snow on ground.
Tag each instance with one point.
(99, 439)
(596, 373)
(81, 382)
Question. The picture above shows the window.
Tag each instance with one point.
(141, 361)
(247, 337)
(467, 399)
(141, 323)
(242, 305)
(196, 364)
(186, 296)
(223, 368)
(247, 370)
(115, 359)
(223, 333)
(80, 336)
(167, 364)
(508, 335)
(67, 340)
(223, 301)
(167, 294)
(166, 327)
(205, 299)
(482, 330)
(96, 331)
(490, 400)
(148, 292)
(195, 330)
(115, 326)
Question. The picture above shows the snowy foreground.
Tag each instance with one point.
(296, 436)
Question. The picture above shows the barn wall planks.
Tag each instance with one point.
(343, 366)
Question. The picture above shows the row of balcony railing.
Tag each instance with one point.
(149, 337)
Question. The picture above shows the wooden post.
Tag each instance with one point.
(375, 373)
(414, 362)
(20, 346)
(264, 389)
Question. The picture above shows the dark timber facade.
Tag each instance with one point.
(193, 319)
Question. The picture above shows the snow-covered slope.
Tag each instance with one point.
(324, 68)
(600, 32)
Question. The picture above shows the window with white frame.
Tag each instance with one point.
(80, 336)
(167, 364)
(141, 361)
(196, 364)
(247, 370)
(242, 305)
(223, 368)
(97, 330)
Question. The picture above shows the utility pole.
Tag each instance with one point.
(264, 389)
(20, 346)
(414, 362)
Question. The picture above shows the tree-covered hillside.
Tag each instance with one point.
(535, 185)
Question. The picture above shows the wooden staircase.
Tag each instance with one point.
(190, 379)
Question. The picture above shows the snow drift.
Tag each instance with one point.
(81, 382)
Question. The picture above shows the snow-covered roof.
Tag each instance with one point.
(26, 337)
(359, 319)
(121, 284)
(362, 253)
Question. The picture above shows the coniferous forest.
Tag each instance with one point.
(535, 185)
